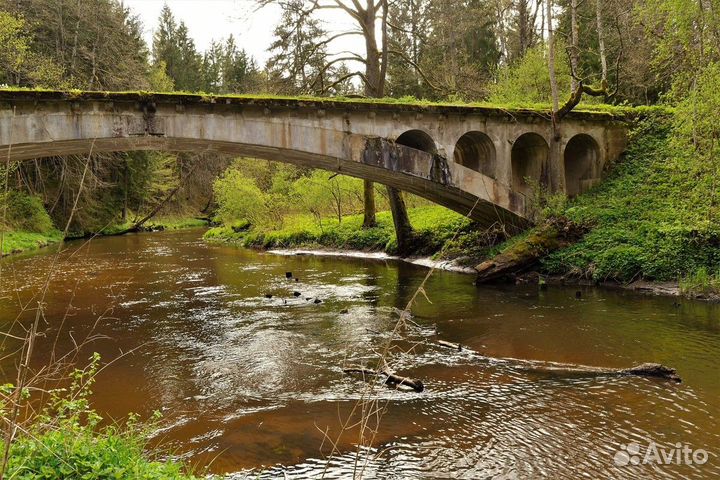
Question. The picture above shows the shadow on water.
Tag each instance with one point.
(248, 384)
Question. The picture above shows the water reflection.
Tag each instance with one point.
(249, 384)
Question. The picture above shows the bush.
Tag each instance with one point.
(67, 441)
(26, 213)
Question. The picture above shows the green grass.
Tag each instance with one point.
(652, 218)
(700, 282)
(16, 242)
(87, 454)
(434, 226)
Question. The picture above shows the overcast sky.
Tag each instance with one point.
(215, 19)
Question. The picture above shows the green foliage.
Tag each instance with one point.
(66, 440)
(16, 242)
(653, 218)
(700, 282)
(25, 212)
(239, 198)
(433, 225)
(19, 65)
(528, 81)
(159, 79)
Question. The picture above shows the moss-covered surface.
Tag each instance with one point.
(597, 111)
(433, 225)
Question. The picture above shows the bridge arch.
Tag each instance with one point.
(476, 150)
(581, 161)
(529, 160)
(417, 139)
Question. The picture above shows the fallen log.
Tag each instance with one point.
(391, 378)
(654, 370)
(552, 235)
(454, 346)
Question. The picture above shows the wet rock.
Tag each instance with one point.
(288, 274)
(268, 295)
(344, 311)
(296, 294)
(317, 300)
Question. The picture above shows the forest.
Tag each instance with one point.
(551, 55)
(655, 216)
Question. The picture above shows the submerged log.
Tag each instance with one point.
(391, 378)
(655, 370)
(554, 234)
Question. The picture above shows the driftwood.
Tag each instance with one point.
(654, 370)
(553, 235)
(391, 378)
(454, 346)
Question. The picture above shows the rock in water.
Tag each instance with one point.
(288, 274)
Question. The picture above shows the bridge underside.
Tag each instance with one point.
(478, 209)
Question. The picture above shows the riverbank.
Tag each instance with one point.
(18, 241)
(434, 226)
(651, 223)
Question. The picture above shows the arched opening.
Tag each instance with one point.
(529, 158)
(475, 150)
(418, 140)
(581, 157)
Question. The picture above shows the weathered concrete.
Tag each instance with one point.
(454, 156)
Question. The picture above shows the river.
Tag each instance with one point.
(248, 384)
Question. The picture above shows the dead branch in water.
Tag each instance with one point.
(391, 378)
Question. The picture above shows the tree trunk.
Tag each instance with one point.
(369, 220)
(403, 229)
(574, 46)
(557, 178)
(373, 89)
(601, 42)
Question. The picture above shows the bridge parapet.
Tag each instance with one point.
(457, 156)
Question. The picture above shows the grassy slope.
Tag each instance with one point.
(435, 225)
(645, 225)
(17, 241)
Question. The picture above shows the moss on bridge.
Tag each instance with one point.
(597, 112)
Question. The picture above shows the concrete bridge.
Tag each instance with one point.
(455, 156)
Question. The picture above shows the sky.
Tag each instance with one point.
(209, 20)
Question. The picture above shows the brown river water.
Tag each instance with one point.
(247, 384)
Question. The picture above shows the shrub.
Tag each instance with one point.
(66, 440)
(26, 213)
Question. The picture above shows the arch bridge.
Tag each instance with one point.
(456, 156)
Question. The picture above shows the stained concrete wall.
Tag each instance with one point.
(352, 138)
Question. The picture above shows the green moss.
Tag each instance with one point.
(409, 102)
